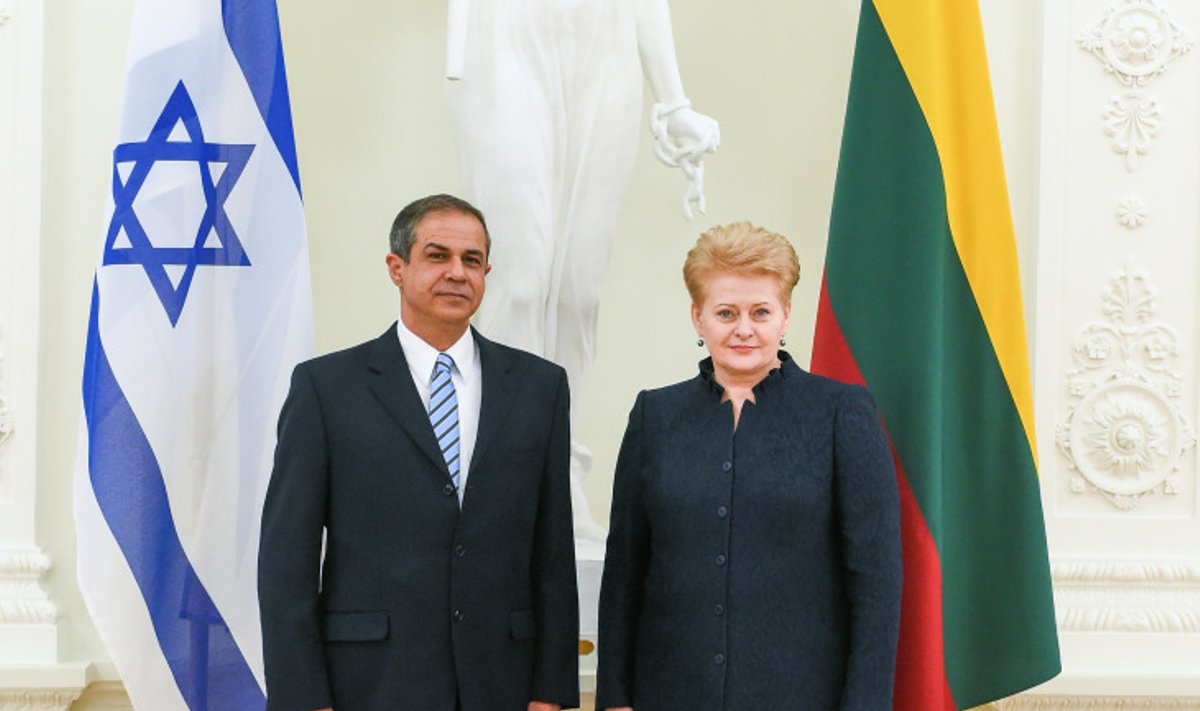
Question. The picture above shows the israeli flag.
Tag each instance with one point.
(201, 306)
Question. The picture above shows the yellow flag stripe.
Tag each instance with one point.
(940, 45)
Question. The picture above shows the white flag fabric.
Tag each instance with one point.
(201, 306)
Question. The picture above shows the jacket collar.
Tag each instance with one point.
(394, 389)
(787, 369)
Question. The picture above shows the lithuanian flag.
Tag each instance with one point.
(921, 302)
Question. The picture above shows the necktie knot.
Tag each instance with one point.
(443, 364)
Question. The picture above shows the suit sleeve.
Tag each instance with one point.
(868, 510)
(289, 555)
(556, 668)
(625, 564)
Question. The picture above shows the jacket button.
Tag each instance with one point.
(460, 551)
(726, 466)
(458, 616)
(719, 659)
(722, 512)
(719, 609)
(720, 559)
(448, 490)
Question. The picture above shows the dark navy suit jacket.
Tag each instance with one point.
(756, 569)
(419, 605)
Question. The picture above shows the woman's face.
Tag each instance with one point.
(741, 321)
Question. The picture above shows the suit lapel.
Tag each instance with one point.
(393, 386)
(498, 391)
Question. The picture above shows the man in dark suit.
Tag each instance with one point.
(435, 464)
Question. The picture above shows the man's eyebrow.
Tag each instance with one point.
(444, 248)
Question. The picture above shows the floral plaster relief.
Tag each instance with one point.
(1125, 435)
(1131, 211)
(1136, 40)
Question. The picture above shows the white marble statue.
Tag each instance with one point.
(546, 98)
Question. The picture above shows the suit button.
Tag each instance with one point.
(460, 551)
(719, 659)
(448, 490)
(722, 512)
(719, 610)
(726, 466)
(720, 559)
(458, 616)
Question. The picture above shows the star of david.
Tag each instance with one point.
(216, 243)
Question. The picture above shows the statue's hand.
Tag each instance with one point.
(682, 136)
(693, 133)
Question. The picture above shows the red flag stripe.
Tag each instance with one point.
(921, 682)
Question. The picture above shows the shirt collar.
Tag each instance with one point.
(421, 356)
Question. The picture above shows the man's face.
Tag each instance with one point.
(442, 283)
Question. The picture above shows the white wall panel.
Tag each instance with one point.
(1117, 347)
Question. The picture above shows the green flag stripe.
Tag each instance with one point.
(907, 311)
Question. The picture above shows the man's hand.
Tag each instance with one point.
(543, 706)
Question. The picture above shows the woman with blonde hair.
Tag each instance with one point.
(754, 553)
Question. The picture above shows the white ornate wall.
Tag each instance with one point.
(1117, 349)
(32, 675)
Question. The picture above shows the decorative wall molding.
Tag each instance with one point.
(1127, 596)
(8, 418)
(1112, 611)
(1124, 435)
(22, 600)
(6, 12)
(1136, 40)
(1125, 572)
(37, 699)
(1131, 211)
(1098, 703)
(1131, 120)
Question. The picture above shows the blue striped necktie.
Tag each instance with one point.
(443, 413)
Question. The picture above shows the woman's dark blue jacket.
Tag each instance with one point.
(752, 569)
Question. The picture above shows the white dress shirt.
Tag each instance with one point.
(467, 376)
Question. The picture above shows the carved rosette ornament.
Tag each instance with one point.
(1124, 435)
(1131, 211)
(5, 11)
(1135, 40)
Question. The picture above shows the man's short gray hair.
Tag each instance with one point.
(404, 227)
